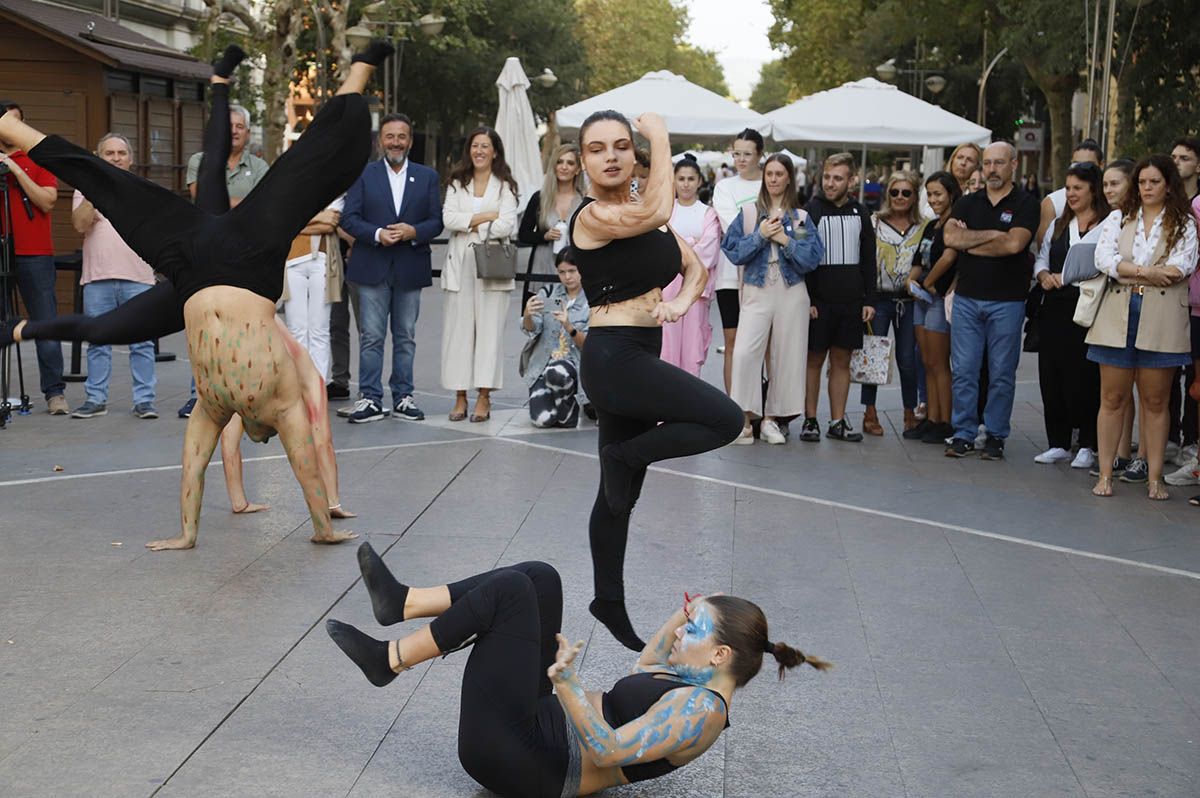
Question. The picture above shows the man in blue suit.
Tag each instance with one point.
(393, 211)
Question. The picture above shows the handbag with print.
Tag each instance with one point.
(872, 364)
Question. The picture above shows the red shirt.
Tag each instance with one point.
(30, 236)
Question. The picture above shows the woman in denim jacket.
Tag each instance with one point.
(776, 244)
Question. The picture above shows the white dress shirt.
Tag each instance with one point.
(1182, 255)
(398, 181)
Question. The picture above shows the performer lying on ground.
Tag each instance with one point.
(227, 271)
(648, 409)
(518, 738)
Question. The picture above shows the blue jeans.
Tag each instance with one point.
(375, 303)
(996, 325)
(899, 316)
(35, 280)
(99, 297)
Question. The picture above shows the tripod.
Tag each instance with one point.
(8, 308)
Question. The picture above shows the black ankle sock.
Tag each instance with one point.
(618, 480)
(369, 654)
(376, 53)
(228, 61)
(387, 595)
(614, 617)
(6, 330)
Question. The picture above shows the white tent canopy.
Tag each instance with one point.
(518, 130)
(690, 111)
(874, 114)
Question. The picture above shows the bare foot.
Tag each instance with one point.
(333, 537)
(338, 511)
(171, 544)
(251, 507)
(1103, 487)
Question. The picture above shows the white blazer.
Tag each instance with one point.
(457, 211)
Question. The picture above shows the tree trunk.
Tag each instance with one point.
(277, 76)
(1058, 90)
(1121, 140)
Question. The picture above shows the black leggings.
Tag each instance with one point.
(1069, 382)
(653, 411)
(512, 735)
(195, 247)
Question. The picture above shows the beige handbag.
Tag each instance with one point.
(495, 260)
(1091, 294)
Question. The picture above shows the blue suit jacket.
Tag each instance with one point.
(369, 206)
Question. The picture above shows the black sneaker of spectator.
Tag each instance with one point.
(335, 391)
(960, 448)
(1137, 472)
(365, 411)
(810, 430)
(188, 406)
(917, 432)
(406, 410)
(1119, 465)
(842, 431)
(993, 449)
(938, 433)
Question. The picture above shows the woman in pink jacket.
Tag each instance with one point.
(685, 342)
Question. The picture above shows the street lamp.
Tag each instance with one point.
(546, 79)
(888, 71)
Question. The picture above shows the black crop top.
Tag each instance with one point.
(625, 268)
(632, 697)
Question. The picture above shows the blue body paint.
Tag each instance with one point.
(693, 675)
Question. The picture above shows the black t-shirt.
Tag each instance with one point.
(996, 279)
(929, 252)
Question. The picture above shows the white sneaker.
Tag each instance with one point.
(348, 410)
(1186, 455)
(770, 432)
(746, 438)
(1084, 458)
(1171, 455)
(1055, 454)
(1188, 474)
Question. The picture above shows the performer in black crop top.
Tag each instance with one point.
(225, 272)
(527, 727)
(648, 410)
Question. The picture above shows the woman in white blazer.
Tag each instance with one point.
(481, 202)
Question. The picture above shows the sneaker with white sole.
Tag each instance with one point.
(348, 410)
(1084, 458)
(406, 410)
(770, 432)
(1055, 454)
(145, 410)
(1188, 474)
(1186, 455)
(746, 438)
(89, 409)
(1137, 472)
(366, 411)
(1172, 452)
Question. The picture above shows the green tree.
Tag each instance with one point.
(774, 89)
(625, 39)
(818, 39)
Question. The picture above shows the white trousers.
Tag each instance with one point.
(306, 311)
(775, 314)
(473, 335)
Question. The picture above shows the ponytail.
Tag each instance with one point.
(789, 658)
(741, 625)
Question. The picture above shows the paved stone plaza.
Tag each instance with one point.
(995, 630)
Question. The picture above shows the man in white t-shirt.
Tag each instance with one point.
(1055, 202)
(113, 274)
(728, 197)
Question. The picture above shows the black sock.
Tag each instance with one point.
(618, 480)
(369, 654)
(614, 617)
(376, 53)
(228, 61)
(6, 330)
(387, 595)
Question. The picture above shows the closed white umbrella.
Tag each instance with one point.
(518, 130)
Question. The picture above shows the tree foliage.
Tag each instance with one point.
(1158, 66)
(625, 39)
(818, 39)
(774, 87)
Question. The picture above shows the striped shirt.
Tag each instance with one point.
(847, 270)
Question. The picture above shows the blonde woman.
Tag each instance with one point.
(544, 223)
(898, 229)
(481, 203)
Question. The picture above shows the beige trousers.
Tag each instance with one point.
(775, 314)
(473, 335)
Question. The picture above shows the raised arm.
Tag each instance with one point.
(658, 648)
(601, 222)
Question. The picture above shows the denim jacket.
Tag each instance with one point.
(802, 254)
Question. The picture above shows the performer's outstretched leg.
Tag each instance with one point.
(151, 314)
(212, 188)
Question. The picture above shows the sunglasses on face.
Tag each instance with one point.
(900, 192)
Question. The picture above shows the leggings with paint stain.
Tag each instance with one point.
(207, 244)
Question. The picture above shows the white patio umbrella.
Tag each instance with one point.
(518, 130)
(692, 112)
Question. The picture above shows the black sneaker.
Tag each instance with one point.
(406, 410)
(993, 449)
(365, 411)
(938, 433)
(917, 432)
(960, 448)
(1119, 465)
(188, 406)
(1137, 472)
(842, 431)
(810, 430)
(335, 391)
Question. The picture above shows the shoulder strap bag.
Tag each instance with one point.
(495, 260)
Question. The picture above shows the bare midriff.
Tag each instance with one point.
(636, 312)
